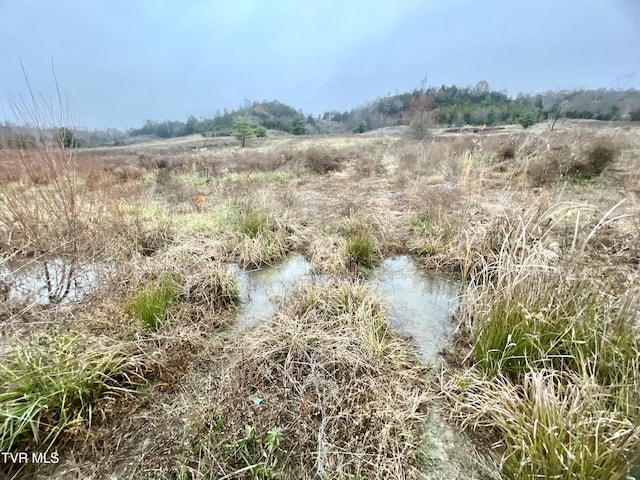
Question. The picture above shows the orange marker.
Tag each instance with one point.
(198, 203)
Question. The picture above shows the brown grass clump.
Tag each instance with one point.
(326, 254)
(323, 160)
(216, 291)
(507, 151)
(582, 157)
(324, 388)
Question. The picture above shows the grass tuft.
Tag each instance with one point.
(218, 291)
(548, 424)
(556, 376)
(324, 389)
(253, 222)
(151, 304)
(49, 385)
(360, 251)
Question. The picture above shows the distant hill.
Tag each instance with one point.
(453, 106)
(444, 106)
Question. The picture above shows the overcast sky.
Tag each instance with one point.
(121, 62)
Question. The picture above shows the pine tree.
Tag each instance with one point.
(298, 124)
(243, 128)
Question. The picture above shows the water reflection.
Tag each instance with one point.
(420, 303)
(53, 281)
(262, 289)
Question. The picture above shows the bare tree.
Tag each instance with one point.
(557, 111)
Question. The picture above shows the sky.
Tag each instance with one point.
(118, 63)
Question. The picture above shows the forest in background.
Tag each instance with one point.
(444, 106)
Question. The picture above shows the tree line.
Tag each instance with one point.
(448, 106)
(263, 115)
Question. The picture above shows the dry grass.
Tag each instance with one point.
(547, 425)
(330, 375)
(553, 372)
(325, 387)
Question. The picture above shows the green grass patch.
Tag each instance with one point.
(51, 384)
(253, 222)
(256, 454)
(567, 325)
(432, 235)
(213, 220)
(192, 180)
(151, 304)
(360, 250)
(263, 234)
(557, 372)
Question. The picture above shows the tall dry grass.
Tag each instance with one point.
(553, 373)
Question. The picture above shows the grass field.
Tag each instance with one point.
(145, 376)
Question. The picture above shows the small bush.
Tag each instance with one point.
(507, 151)
(528, 119)
(419, 125)
(152, 303)
(322, 161)
(596, 158)
(549, 166)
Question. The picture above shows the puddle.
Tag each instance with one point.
(54, 281)
(261, 289)
(420, 303)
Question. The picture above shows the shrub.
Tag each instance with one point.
(528, 119)
(419, 125)
(261, 131)
(507, 151)
(322, 160)
(596, 158)
(549, 166)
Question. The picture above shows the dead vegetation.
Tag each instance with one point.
(325, 387)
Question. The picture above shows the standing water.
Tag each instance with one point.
(55, 281)
(420, 303)
(261, 289)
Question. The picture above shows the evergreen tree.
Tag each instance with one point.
(243, 128)
(528, 118)
(298, 124)
(67, 139)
